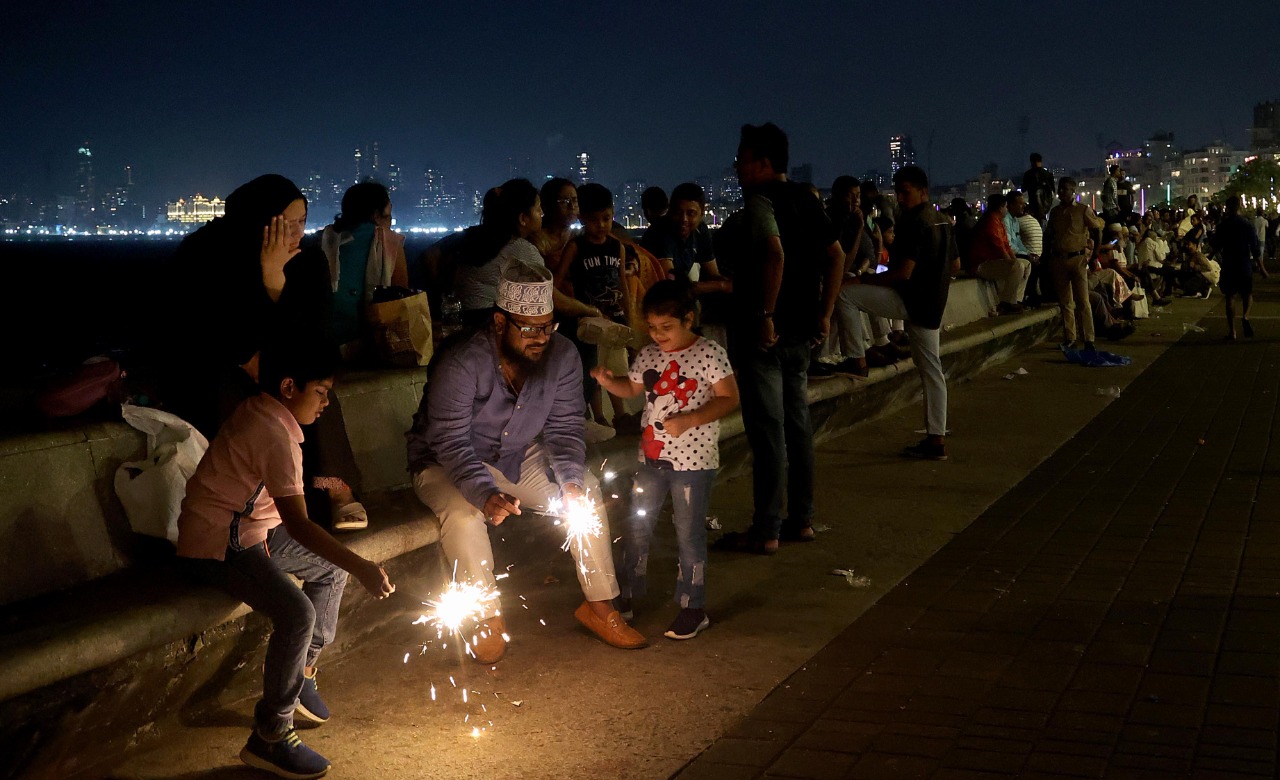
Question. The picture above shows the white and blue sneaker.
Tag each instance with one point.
(285, 757)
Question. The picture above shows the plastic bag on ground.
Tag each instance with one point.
(152, 490)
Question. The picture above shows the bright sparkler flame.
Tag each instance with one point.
(581, 519)
(460, 604)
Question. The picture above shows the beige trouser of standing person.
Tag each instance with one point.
(1071, 281)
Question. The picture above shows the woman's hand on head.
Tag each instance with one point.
(276, 249)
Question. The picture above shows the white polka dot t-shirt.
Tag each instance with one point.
(676, 382)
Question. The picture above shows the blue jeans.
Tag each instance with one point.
(303, 620)
(773, 386)
(690, 494)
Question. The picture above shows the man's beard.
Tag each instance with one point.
(519, 359)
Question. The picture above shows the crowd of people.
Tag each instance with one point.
(789, 288)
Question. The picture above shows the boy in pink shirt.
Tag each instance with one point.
(244, 528)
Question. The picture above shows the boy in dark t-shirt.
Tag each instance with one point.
(593, 263)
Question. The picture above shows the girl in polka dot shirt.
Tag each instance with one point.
(688, 386)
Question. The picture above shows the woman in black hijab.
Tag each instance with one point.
(238, 283)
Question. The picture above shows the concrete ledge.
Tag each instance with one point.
(139, 610)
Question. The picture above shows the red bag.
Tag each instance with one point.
(96, 380)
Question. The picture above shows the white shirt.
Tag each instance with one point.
(1032, 234)
(676, 382)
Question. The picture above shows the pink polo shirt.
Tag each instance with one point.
(256, 455)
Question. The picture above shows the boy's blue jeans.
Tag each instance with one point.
(690, 493)
(303, 620)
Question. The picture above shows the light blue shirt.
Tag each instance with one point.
(1015, 235)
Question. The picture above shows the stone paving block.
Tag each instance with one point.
(1107, 678)
(912, 745)
(702, 769)
(1018, 718)
(1243, 691)
(1095, 702)
(1161, 714)
(1179, 662)
(1174, 689)
(1036, 676)
(974, 665)
(1020, 699)
(1238, 716)
(1221, 735)
(986, 760)
(769, 730)
(1205, 765)
(1128, 765)
(744, 752)
(1073, 766)
(885, 766)
(812, 764)
(839, 736)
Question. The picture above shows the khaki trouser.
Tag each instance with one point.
(1071, 281)
(464, 535)
(1010, 277)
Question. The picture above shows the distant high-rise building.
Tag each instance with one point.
(1264, 136)
(375, 162)
(802, 173)
(628, 205)
(86, 186)
(901, 152)
(358, 158)
(1159, 147)
(582, 168)
(392, 177)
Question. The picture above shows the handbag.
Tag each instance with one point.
(400, 324)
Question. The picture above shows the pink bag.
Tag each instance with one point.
(95, 380)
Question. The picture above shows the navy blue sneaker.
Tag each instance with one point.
(310, 706)
(688, 624)
(286, 757)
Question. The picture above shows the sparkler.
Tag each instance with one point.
(580, 517)
(461, 603)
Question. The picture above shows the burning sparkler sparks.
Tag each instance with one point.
(460, 604)
(581, 519)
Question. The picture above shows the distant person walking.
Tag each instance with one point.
(1237, 242)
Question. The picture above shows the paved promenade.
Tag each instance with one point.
(1116, 614)
(1085, 588)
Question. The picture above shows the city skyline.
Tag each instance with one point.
(469, 92)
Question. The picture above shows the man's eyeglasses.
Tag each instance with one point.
(567, 201)
(533, 331)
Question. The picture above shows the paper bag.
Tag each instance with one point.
(401, 330)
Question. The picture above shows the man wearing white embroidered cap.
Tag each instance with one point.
(499, 432)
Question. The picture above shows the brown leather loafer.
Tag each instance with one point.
(613, 629)
(489, 644)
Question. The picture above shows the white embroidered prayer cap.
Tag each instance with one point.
(525, 290)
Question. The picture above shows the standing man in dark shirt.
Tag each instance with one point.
(914, 289)
(784, 290)
(1236, 239)
(1037, 182)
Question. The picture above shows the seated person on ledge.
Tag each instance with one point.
(499, 431)
(244, 529)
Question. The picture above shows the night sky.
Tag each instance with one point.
(205, 99)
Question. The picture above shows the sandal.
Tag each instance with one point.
(746, 542)
(350, 517)
(796, 533)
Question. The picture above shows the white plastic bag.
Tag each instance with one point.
(1141, 306)
(152, 490)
